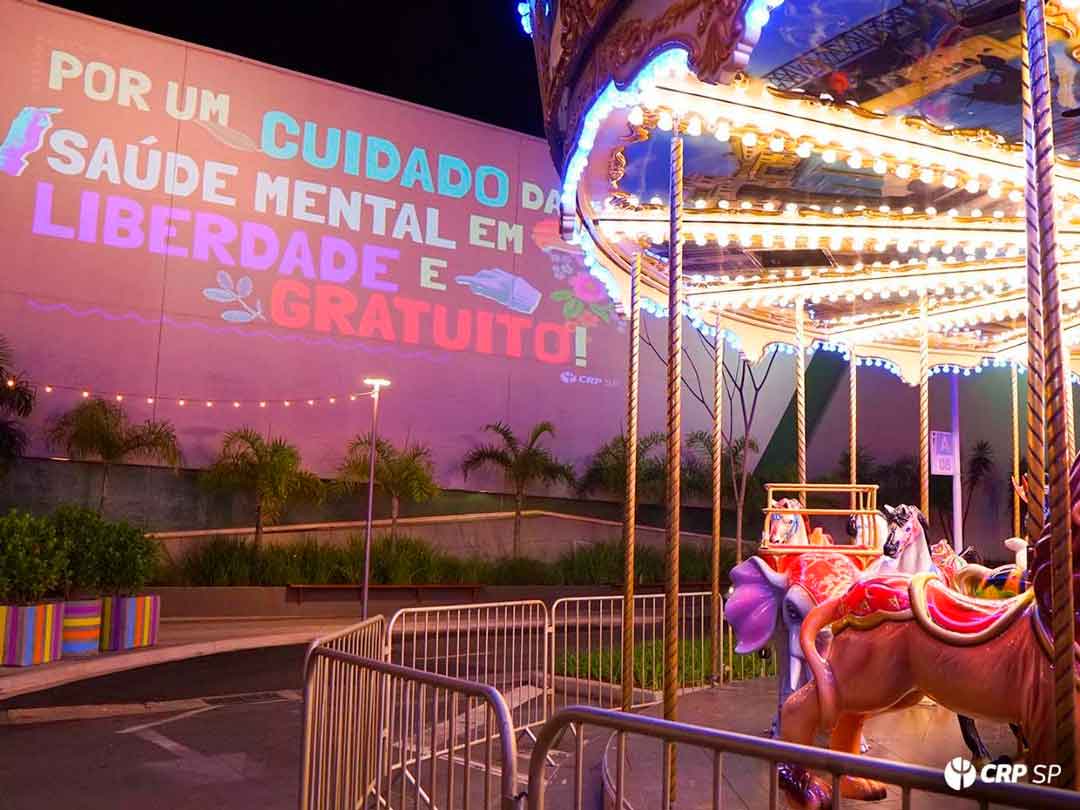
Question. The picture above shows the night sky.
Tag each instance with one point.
(469, 58)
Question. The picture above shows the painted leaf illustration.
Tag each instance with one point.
(601, 311)
(573, 308)
(224, 280)
(560, 295)
(221, 296)
(238, 316)
(244, 287)
(229, 136)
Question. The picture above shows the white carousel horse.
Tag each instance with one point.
(789, 528)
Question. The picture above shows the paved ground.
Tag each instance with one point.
(177, 640)
(925, 734)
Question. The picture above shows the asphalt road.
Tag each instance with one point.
(238, 752)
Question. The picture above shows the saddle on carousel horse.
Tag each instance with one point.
(943, 612)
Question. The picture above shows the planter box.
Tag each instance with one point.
(82, 627)
(31, 634)
(128, 622)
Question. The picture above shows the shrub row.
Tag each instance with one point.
(405, 560)
(72, 551)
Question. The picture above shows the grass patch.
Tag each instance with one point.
(694, 664)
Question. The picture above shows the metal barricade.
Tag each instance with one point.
(501, 644)
(586, 648)
(379, 735)
(718, 744)
(341, 725)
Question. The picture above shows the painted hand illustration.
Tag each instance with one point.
(228, 292)
(24, 137)
(513, 292)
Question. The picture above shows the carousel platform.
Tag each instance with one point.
(925, 735)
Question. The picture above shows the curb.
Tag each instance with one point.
(36, 679)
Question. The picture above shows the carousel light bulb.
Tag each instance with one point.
(693, 126)
(950, 181)
(769, 206)
(1015, 195)
(927, 176)
(994, 190)
(976, 212)
(880, 166)
(972, 186)
(804, 149)
(723, 131)
(998, 213)
(725, 204)
(855, 160)
(699, 203)
(931, 211)
(837, 210)
(884, 209)
(776, 143)
(829, 156)
(749, 138)
(665, 121)
(907, 209)
(636, 117)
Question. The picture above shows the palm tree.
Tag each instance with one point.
(522, 464)
(406, 474)
(980, 471)
(96, 428)
(269, 469)
(16, 402)
(606, 471)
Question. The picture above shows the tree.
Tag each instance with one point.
(406, 474)
(269, 469)
(743, 387)
(980, 471)
(99, 429)
(606, 471)
(522, 464)
(16, 402)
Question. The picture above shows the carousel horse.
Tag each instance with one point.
(790, 528)
(768, 606)
(898, 638)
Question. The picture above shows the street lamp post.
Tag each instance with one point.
(376, 384)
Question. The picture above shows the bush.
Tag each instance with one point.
(405, 560)
(84, 535)
(32, 559)
(128, 559)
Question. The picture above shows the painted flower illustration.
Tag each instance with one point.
(229, 292)
(587, 288)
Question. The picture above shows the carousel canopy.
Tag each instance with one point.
(861, 159)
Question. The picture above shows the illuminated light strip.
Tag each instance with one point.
(86, 392)
(850, 133)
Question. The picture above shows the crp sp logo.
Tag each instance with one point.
(959, 773)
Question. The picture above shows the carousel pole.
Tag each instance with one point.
(630, 511)
(853, 423)
(674, 454)
(800, 393)
(1015, 449)
(715, 605)
(1039, 151)
(630, 505)
(924, 408)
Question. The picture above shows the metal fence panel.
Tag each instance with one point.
(379, 735)
(911, 779)
(501, 644)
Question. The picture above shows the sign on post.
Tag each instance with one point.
(942, 453)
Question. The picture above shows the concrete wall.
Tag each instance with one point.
(545, 535)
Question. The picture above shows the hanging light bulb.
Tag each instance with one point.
(804, 149)
(880, 166)
(749, 138)
(855, 160)
(723, 131)
(903, 171)
(636, 117)
(665, 121)
(776, 143)
(829, 155)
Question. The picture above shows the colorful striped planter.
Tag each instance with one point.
(82, 627)
(31, 633)
(128, 622)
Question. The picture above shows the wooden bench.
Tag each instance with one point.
(418, 591)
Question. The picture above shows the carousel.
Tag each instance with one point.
(879, 179)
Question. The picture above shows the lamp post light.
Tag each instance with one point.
(376, 383)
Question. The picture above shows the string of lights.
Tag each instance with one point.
(126, 395)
